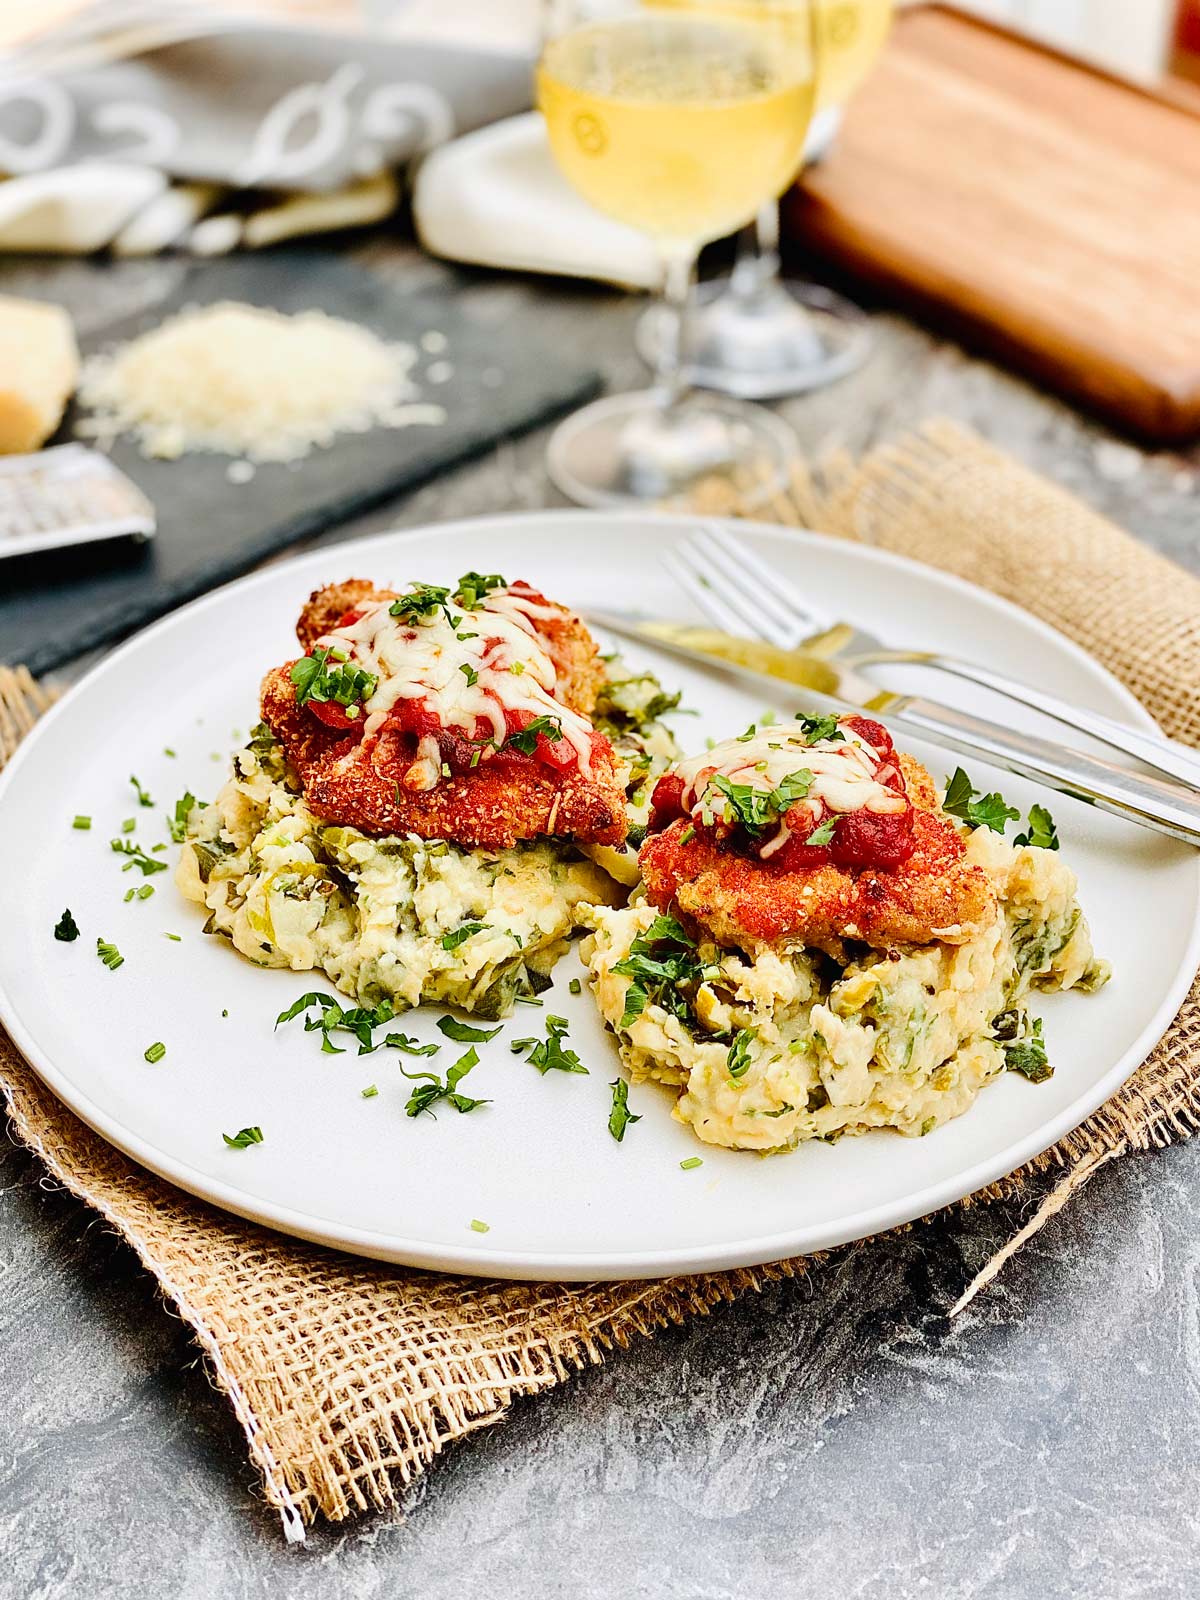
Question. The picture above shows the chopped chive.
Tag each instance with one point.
(109, 954)
(224, 1013)
(370, 1092)
(128, 895)
(575, 986)
(691, 1164)
(243, 1138)
(479, 1227)
(158, 847)
(144, 798)
(156, 1052)
(167, 751)
(174, 938)
(82, 823)
(129, 825)
(145, 891)
(527, 1000)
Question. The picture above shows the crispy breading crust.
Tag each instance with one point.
(565, 639)
(500, 802)
(748, 903)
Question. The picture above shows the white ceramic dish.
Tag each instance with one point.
(561, 1198)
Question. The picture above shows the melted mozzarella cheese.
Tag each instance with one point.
(845, 774)
(469, 674)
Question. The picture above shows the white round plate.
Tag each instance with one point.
(560, 1197)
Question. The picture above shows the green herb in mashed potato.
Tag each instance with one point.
(1028, 1056)
(620, 1117)
(430, 1088)
(451, 941)
(659, 962)
(738, 1059)
(183, 810)
(1042, 834)
(964, 801)
(549, 1054)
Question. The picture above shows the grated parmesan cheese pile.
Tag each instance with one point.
(240, 380)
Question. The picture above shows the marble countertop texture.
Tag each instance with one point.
(831, 1437)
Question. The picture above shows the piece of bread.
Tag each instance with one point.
(39, 368)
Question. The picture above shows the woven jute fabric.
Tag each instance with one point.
(349, 1378)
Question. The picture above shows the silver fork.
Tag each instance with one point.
(754, 600)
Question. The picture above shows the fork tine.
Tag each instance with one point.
(717, 608)
(803, 611)
(769, 620)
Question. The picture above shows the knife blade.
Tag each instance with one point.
(1149, 802)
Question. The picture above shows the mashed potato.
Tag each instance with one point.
(407, 919)
(767, 1053)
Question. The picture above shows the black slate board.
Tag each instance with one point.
(56, 605)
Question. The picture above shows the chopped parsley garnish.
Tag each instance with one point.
(109, 954)
(548, 1054)
(823, 832)
(342, 684)
(964, 801)
(244, 1138)
(178, 823)
(818, 728)
(756, 809)
(691, 1164)
(475, 586)
(430, 1088)
(451, 941)
(410, 1046)
(370, 1092)
(422, 600)
(469, 673)
(144, 799)
(738, 1059)
(137, 857)
(1042, 834)
(480, 1227)
(659, 961)
(66, 928)
(1028, 1056)
(156, 1052)
(361, 1021)
(463, 1032)
(620, 1117)
(525, 739)
(82, 823)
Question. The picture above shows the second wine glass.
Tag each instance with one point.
(681, 125)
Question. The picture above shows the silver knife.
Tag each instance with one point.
(1165, 807)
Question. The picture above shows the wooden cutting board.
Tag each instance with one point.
(1030, 205)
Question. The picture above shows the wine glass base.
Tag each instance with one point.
(782, 339)
(636, 450)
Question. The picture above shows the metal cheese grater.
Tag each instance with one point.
(67, 495)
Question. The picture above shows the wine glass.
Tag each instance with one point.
(681, 124)
(751, 335)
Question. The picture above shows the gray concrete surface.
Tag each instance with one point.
(830, 1438)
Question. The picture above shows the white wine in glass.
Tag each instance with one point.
(681, 126)
(753, 336)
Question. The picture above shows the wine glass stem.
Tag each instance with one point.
(678, 270)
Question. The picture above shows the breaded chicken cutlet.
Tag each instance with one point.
(811, 833)
(461, 715)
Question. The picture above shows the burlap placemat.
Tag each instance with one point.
(349, 1378)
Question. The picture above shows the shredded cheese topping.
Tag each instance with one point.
(847, 775)
(507, 670)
